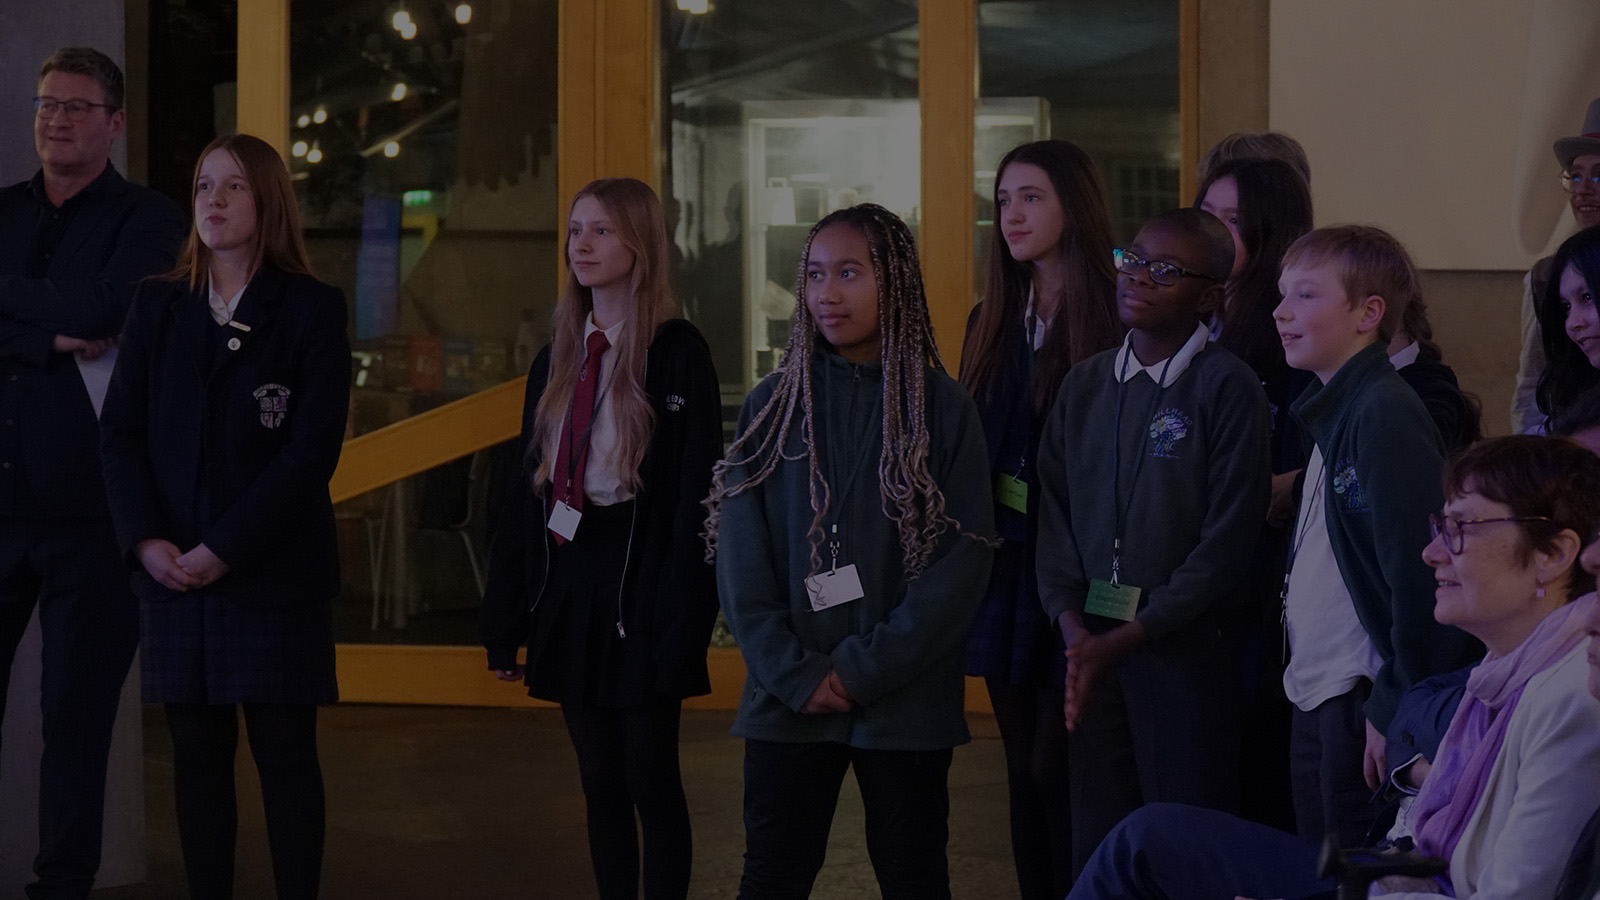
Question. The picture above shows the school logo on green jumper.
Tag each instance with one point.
(1348, 486)
(1167, 428)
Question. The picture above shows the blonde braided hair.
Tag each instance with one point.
(908, 493)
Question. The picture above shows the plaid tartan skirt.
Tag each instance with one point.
(1012, 640)
(199, 647)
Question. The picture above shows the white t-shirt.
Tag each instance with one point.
(1329, 651)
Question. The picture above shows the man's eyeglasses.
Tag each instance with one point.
(1163, 273)
(1574, 180)
(77, 110)
(1455, 539)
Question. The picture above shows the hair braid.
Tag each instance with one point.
(908, 493)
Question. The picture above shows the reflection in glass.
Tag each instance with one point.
(422, 144)
(1103, 75)
(777, 114)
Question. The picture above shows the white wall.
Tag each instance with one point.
(1435, 118)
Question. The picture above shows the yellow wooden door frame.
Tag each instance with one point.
(609, 123)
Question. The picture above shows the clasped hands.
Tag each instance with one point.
(1089, 656)
(176, 570)
(87, 348)
(829, 697)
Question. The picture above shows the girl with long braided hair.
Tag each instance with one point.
(851, 526)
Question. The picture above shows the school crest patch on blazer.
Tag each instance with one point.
(274, 400)
(1167, 428)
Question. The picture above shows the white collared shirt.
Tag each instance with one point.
(217, 304)
(1127, 363)
(602, 478)
(1406, 356)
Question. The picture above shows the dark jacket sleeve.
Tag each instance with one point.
(137, 504)
(1238, 484)
(933, 617)
(687, 593)
(94, 304)
(303, 467)
(1062, 583)
(1400, 468)
(755, 603)
(503, 618)
(25, 344)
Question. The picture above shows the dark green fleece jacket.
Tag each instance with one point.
(1384, 470)
(899, 648)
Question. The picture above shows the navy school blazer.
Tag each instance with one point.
(235, 454)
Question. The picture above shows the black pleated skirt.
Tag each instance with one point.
(584, 649)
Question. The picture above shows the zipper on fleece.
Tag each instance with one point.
(627, 556)
(544, 532)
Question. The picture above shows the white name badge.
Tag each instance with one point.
(833, 588)
(564, 520)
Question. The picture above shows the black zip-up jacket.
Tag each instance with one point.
(669, 592)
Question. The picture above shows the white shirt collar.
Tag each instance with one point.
(612, 333)
(1406, 357)
(218, 304)
(1127, 364)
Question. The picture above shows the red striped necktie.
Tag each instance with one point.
(573, 456)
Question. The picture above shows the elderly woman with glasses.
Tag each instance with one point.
(1518, 771)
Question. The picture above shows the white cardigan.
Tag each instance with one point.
(1542, 790)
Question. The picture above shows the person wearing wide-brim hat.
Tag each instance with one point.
(1579, 157)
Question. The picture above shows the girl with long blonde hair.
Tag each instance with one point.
(596, 564)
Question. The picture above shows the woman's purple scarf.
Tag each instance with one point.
(1455, 784)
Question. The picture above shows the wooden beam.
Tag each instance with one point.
(418, 443)
(263, 71)
(948, 87)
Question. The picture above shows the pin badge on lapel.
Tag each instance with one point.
(274, 400)
(233, 343)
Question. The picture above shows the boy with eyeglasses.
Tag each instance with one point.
(1154, 477)
(1579, 157)
(1357, 599)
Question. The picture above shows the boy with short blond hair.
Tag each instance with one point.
(1358, 599)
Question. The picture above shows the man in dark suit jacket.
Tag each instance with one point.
(75, 240)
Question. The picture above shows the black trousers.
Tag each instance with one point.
(1326, 748)
(283, 742)
(90, 626)
(790, 791)
(628, 763)
(1033, 731)
(1161, 727)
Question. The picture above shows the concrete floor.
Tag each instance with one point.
(427, 802)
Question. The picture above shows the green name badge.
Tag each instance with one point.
(1012, 492)
(1114, 601)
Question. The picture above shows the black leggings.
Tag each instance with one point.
(628, 761)
(283, 742)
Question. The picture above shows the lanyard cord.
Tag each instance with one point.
(1297, 540)
(836, 503)
(1138, 463)
(1319, 489)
